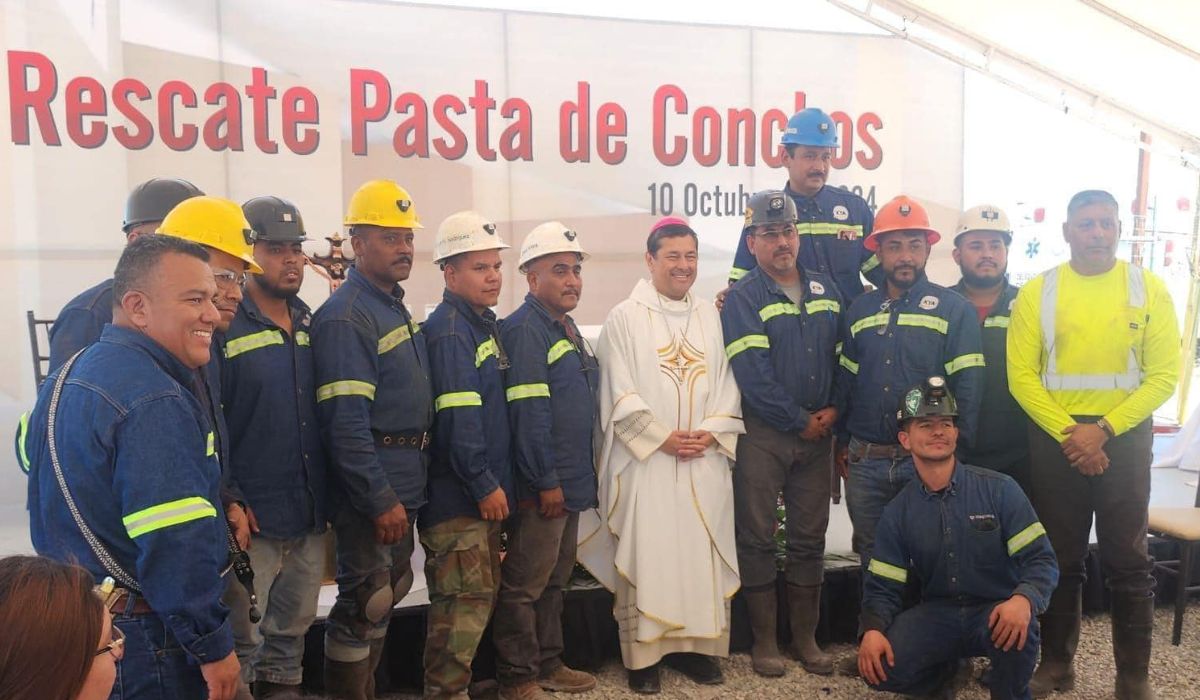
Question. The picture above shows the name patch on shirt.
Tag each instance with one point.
(929, 302)
(841, 213)
(983, 522)
(816, 287)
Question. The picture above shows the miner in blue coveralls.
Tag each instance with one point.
(984, 562)
(832, 222)
(124, 478)
(551, 391)
(892, 338)
(276, 459)
(375, 406)
(781, 323)
(470, 481)
(80, 322)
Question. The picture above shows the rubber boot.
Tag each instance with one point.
(1060, 638)
(373, 665)
(347, 681)
(1132, 633)
(804, 606)
(764, 655)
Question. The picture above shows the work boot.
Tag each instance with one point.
(1133, 631)
(529, 690)
(347, 680)
(567, 680)
(1060, 638)
(372, 665)
(804, 604)
(263, 690)
(764, 655)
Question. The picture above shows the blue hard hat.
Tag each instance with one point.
(810, 127)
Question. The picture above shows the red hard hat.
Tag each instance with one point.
(902, 213)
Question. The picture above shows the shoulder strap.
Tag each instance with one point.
(102, 554)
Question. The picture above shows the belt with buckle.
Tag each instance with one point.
(121, 605)
(411, 440)
(872, 450)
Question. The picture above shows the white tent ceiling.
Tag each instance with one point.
(1128, 65)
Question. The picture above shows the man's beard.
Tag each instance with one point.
(978, 282)
(275, 291)
(918, 273)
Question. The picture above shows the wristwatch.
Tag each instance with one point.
(1106, 427)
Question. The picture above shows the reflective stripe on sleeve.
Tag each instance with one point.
(973, 359)
(22, 434)
(458, 399)
(870, 264)
(165, 515)
(254, 341)
(745, 342)
(1024, 538)
(737, 273)
(848, 364)
(888, 571)
(303, 339)
(527, 391)
(210, 447)
(345, 387)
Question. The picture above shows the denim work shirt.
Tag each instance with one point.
(138, 454)
(551, 391)
(372, 377)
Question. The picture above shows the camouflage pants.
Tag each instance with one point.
(462, 569)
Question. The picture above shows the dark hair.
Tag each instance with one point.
(654, 240)
(140, 259)
(1086, 197)
(51, 622)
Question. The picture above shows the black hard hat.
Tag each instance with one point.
(275, 219)
(155, 198)
(930, 398)
(769, 207)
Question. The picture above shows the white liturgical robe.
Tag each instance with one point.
(662, 537)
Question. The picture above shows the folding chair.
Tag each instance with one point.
(1182, 526)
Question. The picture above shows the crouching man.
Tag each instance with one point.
(985, 566)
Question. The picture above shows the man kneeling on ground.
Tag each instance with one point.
(985, 566)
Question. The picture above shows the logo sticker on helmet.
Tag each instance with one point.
(404, 204)
(841, 213)
(912, 401)
(490, 229)
(776, 203)
(749, 216)
(990, 215)
(905, 210)
(569, 234)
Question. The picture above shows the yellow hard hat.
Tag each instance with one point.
(382, 203)
(214, 222)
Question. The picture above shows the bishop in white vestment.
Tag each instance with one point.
(662, 538)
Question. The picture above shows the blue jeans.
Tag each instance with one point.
(929, 639)
(873, 483)
(154, 667)
(287, 582)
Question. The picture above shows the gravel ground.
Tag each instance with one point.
(1172, 670)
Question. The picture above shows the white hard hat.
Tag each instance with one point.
(550, 237)
(985, 217)
(465, 232)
